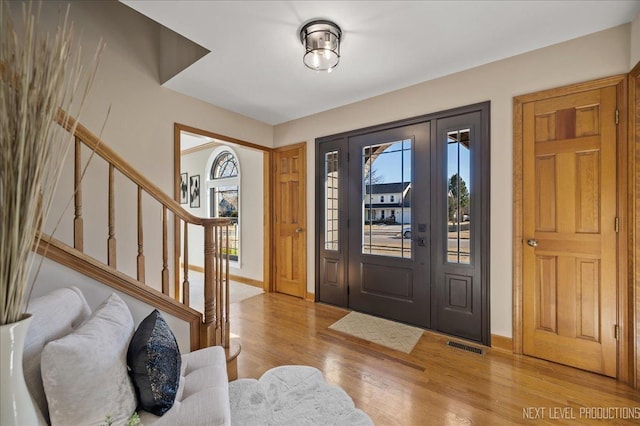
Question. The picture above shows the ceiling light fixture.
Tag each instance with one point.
(321, 41)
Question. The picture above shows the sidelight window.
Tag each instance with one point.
(459, 196)
(332, 201)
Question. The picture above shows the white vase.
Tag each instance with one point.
(16, 405)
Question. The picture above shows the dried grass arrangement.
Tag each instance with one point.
(41, 74)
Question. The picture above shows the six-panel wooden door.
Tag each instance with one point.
(569, 230)
(290, 220)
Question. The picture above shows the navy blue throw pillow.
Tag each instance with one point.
(154, 364)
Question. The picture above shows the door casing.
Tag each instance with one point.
(634, 220)
(178, 128)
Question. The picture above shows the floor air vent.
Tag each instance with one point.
(464, 347)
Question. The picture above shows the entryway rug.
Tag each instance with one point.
(387, 333)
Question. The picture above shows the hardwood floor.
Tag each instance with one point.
(435, 384)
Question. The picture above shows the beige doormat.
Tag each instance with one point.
(387, 333)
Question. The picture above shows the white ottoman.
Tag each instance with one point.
(292, 394)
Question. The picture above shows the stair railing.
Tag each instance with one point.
(214, 322)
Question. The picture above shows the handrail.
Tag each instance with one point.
(110, 156)
(214, 324)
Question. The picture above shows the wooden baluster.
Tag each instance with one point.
(207, 337)
(219, 285)
(226, 294)
(78, 224)
(140, 238)
(185, 283)
(111, 240)
(165, 253)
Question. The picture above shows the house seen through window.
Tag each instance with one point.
(223, 189)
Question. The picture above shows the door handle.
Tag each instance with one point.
(532, 242)
(420, 241)
(298, 230)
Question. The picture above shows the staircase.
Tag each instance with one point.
(208, 328)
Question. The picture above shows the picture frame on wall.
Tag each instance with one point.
(184, 188)
(194, 191)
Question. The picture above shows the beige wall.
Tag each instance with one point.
(634, 37)
(139, 127)
(597, 55)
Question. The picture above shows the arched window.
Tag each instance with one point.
(225, 166)
(223, 193)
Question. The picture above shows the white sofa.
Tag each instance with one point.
(283, 396)
(203, 393)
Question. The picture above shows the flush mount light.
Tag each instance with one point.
(321, 41)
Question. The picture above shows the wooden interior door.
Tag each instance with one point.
(290, 220)
(569, 229)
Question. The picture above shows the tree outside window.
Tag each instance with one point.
(459, 198)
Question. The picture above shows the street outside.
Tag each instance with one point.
(387, 240)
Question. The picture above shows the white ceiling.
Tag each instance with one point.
(255, 66)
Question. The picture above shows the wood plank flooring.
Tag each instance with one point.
(435, 384)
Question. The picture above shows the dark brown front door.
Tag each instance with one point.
(402, 221)
(389, 222)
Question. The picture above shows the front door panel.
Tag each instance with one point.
(388, 224)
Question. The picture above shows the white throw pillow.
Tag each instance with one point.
(85, 373)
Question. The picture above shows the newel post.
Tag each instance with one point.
(211, 331)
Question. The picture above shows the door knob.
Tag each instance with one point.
(298, 230)
(532, 242)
